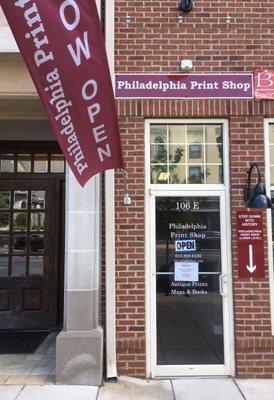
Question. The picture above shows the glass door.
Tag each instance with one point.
(191, 321)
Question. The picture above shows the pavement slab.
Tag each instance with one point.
(62, 392)
(206, 389)
(256, 389)
(3, 379)
(10, 392)
(26, 380)
(136, 389)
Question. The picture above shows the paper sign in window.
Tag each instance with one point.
(186, 271)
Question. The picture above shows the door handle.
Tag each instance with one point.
(221, 284)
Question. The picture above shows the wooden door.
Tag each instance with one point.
(29, 229)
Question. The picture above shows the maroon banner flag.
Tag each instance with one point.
(63, 46)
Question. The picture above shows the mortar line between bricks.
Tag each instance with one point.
(238, 387)
(173, 391)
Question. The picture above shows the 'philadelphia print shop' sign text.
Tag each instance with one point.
(190, 86)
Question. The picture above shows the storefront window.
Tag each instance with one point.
(186, 153)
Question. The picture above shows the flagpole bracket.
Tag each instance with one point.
(127, 198)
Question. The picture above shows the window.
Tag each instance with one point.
(32, 163)
(195, 175)
(186, 153)
(195, 151)
(22, 217)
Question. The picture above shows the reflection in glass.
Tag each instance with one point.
(36, 265)
(36, 243)
(19, 266)
(213, 134)
(159, 174)
(20, 199)
(4, 221)
(5, 200)
(41, 163)
(271, 133)
(4, 267)
(189, 314)
(20, 243)
(271, 154)
(38, 199)
(214, 154)
(177, 133)
(214, 174)
(37, 221)
(4, 244)
(177, 174)
(7, 162)
(195, 153)
(169, 216)
(197, 146)
(176, 154)
(196, 174)
(24, 163)
(158, 134)
(20, 222)
(272, 175)
(195, 134)
(57, 163)
(158, 154)
(190, 324)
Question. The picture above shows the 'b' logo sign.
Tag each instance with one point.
(264, 84)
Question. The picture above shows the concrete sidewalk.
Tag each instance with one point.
(137, 389)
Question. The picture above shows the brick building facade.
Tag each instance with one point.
(218, 37)
(177, 313)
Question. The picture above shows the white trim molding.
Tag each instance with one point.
(110, 251)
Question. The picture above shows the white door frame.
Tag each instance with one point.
(153, 190)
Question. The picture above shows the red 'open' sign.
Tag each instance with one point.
(250, 244)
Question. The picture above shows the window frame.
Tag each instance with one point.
(189, 186)
(267, 123)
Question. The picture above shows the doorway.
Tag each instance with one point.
(31, 236)
(190, 324)
(190, 280)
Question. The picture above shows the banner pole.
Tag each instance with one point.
(110, 273)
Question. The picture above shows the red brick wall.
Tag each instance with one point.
(155, 42)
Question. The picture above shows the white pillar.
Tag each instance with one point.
(79, 352)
